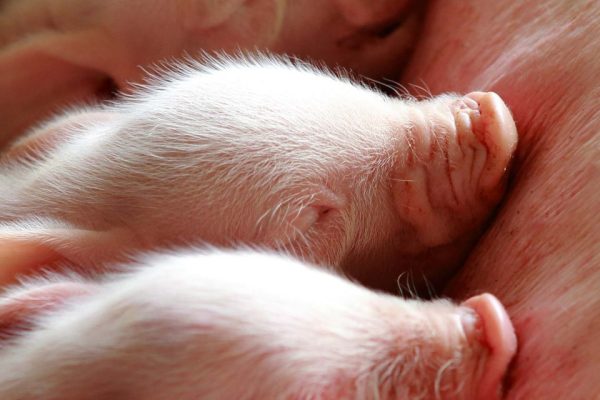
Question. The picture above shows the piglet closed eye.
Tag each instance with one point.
(243, 325)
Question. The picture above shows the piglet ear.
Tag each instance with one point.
(21, 257)
(316, 210)
(29, 247)
(499, 336)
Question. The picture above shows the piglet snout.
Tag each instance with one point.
(490, 324)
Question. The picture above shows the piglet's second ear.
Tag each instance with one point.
(29, 247)
(18, 257)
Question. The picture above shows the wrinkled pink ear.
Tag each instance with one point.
(499, 336)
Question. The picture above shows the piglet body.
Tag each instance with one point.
(265, 153)
(213, 325)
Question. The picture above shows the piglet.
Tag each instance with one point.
(198, 324)
(261, 152)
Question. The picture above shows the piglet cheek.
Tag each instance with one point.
(19, 310)
(489, 323)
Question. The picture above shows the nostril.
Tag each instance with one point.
(466, 104)
(470, 103)
(471, 323)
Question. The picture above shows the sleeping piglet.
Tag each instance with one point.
(244, 325)
(262, 153)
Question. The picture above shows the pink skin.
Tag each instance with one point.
(400, 186)
(91, 49)
(541, 254)
(70, 338)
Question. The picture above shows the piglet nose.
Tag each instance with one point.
(496, 115)
(498, 335)
(495, 128)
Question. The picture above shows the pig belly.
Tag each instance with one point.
(542, 254)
